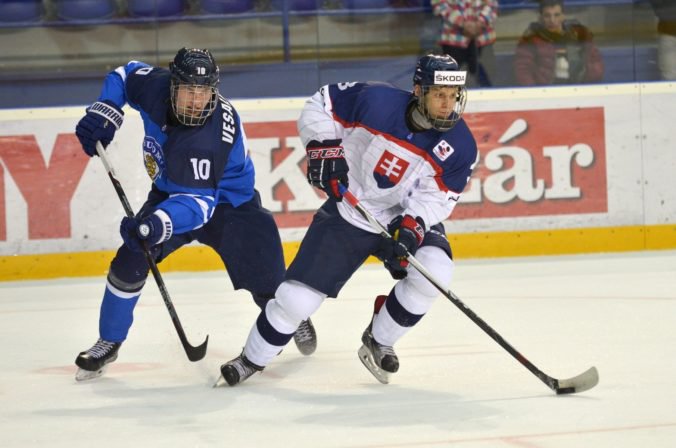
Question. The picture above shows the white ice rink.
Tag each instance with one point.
(455, 387)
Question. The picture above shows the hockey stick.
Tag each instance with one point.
(194, 353)
(579, 383)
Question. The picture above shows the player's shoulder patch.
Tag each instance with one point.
(456, 145)
(443, 150)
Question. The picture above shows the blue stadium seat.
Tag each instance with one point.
(409, 3)
(85, 9)
(366, 4)
(516, 2)
(20, 10)
(155, 8)
(226, 6)
(297, 5)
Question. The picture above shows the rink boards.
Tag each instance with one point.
(562, 170)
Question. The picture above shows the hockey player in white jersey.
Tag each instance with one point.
(406, 156)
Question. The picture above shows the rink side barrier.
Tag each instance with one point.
(480, 245)
(563, 170)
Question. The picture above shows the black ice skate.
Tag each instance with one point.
(379, 359)
(305, 338)
(92, 363)
(237, 370)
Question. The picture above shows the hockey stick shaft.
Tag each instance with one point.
(585, 381)
(193, 353)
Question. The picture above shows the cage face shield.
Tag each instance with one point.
(442, 106)
(193, 103)
(194, 86)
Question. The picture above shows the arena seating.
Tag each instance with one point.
(297, 5)
(85, 9)
(366, 4)
(155, 8)
(226, 6)
(20, 11)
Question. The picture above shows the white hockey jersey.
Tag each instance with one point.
(393, 171)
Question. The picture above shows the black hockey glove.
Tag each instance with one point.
(103, 118)
(150, 229)
(407, 235)
(326, 166)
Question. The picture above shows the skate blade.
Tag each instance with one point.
(220, 382)
(368, 361)
(85, 375)
(306, 349)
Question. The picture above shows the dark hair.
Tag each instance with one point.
(549, 3)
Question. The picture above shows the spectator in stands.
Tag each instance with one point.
(468, 34)
(556, 51)
(665, 10)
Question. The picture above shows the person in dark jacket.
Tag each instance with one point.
(556, 51)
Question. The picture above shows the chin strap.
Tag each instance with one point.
(415, 118)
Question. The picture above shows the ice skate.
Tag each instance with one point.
(379, 359)
(305, 338)
(236, 371)
(93, 362)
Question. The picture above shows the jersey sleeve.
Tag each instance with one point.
(115, 84)
(236, 185)
(316, 119)
(329, 111)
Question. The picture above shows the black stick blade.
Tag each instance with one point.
(196, 353)
(580, 383)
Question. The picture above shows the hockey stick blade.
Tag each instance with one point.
(195, 353)
(580, 383)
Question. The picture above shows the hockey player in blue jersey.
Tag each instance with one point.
(195, 152)
(407, 157)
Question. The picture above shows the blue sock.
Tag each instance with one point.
(117, 313)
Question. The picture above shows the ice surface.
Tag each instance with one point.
(455, 387)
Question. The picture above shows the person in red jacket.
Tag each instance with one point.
(556, 51)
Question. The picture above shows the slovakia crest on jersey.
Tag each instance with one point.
(389, 170)
(443, 150)
(153, 158)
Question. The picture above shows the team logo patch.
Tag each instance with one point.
(443, 150)
(389, 170)
(153, 158)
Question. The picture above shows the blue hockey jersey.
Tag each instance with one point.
(197, 167)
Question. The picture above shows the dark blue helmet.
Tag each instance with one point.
(194, 66)
(197, 70)
(430, 64)
(436, 71)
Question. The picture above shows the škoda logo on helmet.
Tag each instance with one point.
(450, 78)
